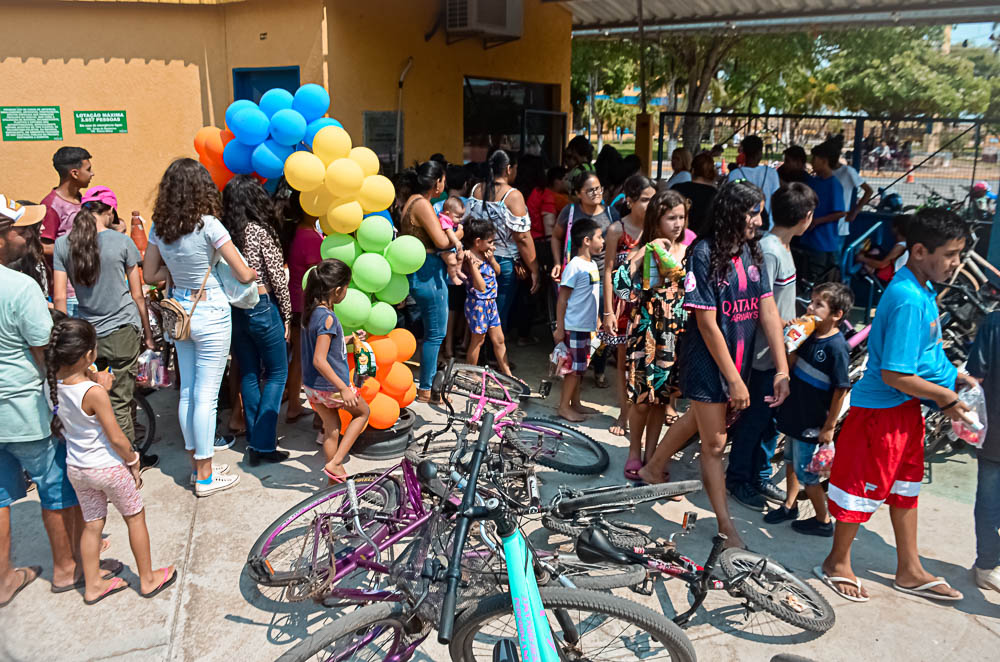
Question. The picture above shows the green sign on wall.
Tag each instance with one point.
(100, 121)
(31, 122)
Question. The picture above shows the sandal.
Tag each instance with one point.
(618, 429)
(670, 419)
(600, 380)
(834, 582)
(166, 582)
(116, 586)
(334, 477)
(925, 590)
(632, 469)
(112, 568)
(26, 578)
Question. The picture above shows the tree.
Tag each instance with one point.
(609, 114)
(986, 66)
(613, 63)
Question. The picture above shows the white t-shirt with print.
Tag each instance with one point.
(584, 279)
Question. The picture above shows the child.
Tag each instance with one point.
(451, 215)
(576, 312)
(655, 320)
(880, 452)
(885, 267)
(821, 245)
(748, 477)
(325, 374)
(820, 383)
(95, 448)
(481, 313)
(725, 297)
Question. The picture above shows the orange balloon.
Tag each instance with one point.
(406, 344)
(350, 362)
(385, 412)
(201, 137)
(385, 354)
(408, 397)
(369, 389)
(214, 145)
(227, 135)
(398, 380)
(220, 174)
(345, 418)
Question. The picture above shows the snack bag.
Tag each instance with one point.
(667, 266)
(560, 362)
(798, 331)
(822, 461)
(364, 360)
(973, 433)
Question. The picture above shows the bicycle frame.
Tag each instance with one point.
(533, 631)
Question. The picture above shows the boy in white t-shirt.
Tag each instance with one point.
(576, 312)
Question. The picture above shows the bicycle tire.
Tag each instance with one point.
(625, 497)
(393, 616)
(146, 418)
(618, 535)
(468, 380)
(585, 575)
(469, 625)
(594, 458)
(818, 615)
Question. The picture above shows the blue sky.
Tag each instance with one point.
(978, 34)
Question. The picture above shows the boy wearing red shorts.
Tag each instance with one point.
(880, 457)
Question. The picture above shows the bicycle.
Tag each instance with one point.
(549, 623)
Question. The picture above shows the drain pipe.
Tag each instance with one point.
(399, 111)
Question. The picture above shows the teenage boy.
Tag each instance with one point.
(793, 169)
(754, 436)
(62, 204)
(880, 451)
(808, 418)
(821, 246)
(763, 177)
(576, 312)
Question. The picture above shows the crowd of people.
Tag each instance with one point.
(686, 285)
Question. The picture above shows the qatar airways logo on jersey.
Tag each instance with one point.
(740, 310)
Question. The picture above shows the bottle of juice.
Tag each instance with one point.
(797, 332)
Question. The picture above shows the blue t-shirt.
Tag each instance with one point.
(824, 238)
(905, 338)
(336, 356)
(822, 366)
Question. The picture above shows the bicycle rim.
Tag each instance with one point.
(144, 423)
(558, 446)
(371, 633)
(468, 379)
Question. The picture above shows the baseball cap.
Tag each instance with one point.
(100, 194)
(20, 215)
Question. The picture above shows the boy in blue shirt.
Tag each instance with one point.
(880, 454)
(819, 248)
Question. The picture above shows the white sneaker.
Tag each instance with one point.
(219, 482)
(988, 579)
(216, 469)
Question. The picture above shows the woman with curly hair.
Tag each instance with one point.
(259, 334)
(185, 241)
(726, 300)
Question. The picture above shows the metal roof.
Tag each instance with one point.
(594, 18)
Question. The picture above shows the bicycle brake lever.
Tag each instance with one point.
(352, 495)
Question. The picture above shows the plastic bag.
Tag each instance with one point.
(822, 461)
(973, 434)
(364, 360)
(560, 361)
(153, 371)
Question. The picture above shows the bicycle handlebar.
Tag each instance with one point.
(462, 524)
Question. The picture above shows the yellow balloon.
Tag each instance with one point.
(304, 171)
(344, 178)
(376, 193)
(331, 143)
(344, 217)
(316, 202)
(324, 225)
(367, 159)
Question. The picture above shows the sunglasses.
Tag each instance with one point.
(593, 191)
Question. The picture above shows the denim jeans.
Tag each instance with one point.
(72, 306)
(987, 514)
(259, 346)
(506, 290)
(45, 461)
(754, 435)
(202, 362)
(429, 289)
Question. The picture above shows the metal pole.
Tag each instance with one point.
(975, 158)
(659, 152)
(642, 61)
(859, 139)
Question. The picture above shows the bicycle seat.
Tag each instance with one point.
(593, 546)
(427, 473)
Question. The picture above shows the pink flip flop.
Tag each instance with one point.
(334, 477)
(117, 585)
(632, 469)
(166, 582)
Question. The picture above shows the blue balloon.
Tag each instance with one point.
(250, 126)
(275, 100)
(269, 159)
(238, 157)
(288, 127)
(315, 126)
(312, 101)
(384, 213)
(235, 107)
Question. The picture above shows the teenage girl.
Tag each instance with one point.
(726, 300)
(325, 373)
(481, 269)
(655, 322)
(620, 238)
(100, 462)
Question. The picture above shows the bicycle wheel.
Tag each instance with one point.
(597, 576)
(144, 423)
(374, 632)
(586, 625)
(620, 534)
(778, 591)
(558, 446)
(468, 380)
(625, 497)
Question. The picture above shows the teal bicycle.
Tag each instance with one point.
(481, 616)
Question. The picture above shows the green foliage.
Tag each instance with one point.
(611, 114)
(615, 64)
(986, 66)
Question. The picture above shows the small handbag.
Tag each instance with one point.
(176, 321)
(240, 295)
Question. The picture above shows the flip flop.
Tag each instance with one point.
(113, 568)
(334, 477)
(600, 381)
(301, 414)
(670, 419)
(116, 586)
(622, 429)
(164, 583)
(924, 591)
(832, 583)
(632, 469)
(27, 578)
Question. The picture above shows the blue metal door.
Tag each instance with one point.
(252, 83)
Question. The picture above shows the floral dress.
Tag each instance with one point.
(622, 306)
(656, 320)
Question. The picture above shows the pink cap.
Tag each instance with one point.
(101, 194)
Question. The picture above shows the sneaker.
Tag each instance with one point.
(988, 579)
(216, 469)
(256, 457)
(813, 527)
(219, 482)
(222, 442)
(771, 492)
(746, 495)
(782, 514)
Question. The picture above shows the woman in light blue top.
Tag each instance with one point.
(184, 242)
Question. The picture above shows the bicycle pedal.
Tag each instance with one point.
(646, 588)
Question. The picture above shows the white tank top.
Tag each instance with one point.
(87, 445)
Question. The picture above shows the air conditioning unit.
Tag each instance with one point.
(491, 19)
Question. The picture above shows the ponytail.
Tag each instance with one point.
(84, 255)
(632, 190)
(322, 279)
(496, 166)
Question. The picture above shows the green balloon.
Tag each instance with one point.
(340, 247)
(374, 234)
(353, 311)
(305, 276)
(371, 272)
(405, 254)
(382, 319)
(395, 291)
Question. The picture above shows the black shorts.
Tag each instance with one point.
(699, 376)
